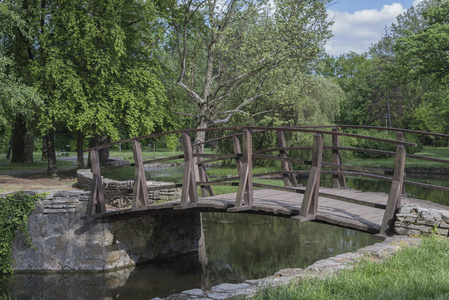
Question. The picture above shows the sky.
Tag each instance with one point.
(360, 23)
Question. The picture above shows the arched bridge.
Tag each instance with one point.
(339, 205)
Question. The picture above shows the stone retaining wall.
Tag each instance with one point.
(65, 242)
(413, 220)
(110, 187)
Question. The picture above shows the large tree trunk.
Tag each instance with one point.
(200, 137)
(28, 149)
(44, 149)
(79, 149)
(104, 152)
(52, 169)
(18, 140)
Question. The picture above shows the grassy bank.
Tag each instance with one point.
(413, 273)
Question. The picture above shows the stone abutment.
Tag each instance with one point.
(64, 241)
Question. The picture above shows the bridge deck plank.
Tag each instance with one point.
(288, 204)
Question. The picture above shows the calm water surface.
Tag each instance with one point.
(237, 247)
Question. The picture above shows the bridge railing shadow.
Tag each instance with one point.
(195, 162)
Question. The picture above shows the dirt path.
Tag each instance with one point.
(31, 180)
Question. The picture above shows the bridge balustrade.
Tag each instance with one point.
(195, 168)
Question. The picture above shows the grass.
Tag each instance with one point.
(429, 151)
(38, 164)
(412, 273)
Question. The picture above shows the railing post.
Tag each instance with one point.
(189, 180)
(309, 205)
(394, 198)
(140, 189)
(238, 153)
(401, 137)
(338, 180)
(96, 201)
(289, 178)
(203, 174)
(245, 189)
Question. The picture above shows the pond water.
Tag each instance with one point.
(237, 247)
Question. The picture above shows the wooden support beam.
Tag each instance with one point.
(245, 189)
(394, 198)
(96, 203)
(338, 180)
(310, 201)
(205, 189)
(189, 192)
(238, 153)
(140, 191)
(289, 178)
(401, 137)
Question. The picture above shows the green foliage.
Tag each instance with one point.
(14, 211)
(424, 53)
(376, 145)
(172, 142)
(15, 96)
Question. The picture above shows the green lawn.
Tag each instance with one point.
(434, 152)
(38, 164)
(412, 273)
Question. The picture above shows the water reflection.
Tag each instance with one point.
(237, 247)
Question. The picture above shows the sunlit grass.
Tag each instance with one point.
(6, 165)
(429, 151)
(412, 273)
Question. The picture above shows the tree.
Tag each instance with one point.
(19, 102)
(223, 46)
(92, 62)
(425, 53)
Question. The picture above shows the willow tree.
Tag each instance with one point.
(222, 45)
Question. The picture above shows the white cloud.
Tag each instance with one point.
(356, 32)
(416, 2)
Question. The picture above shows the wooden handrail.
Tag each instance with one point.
(255, 129)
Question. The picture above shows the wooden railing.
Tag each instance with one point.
(244, 154)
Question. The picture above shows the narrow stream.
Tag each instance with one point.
(237, 247)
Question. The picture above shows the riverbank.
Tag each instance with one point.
(285, 278)
(412, 273)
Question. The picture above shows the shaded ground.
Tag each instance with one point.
(29, 180)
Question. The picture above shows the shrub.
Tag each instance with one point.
(14, 211)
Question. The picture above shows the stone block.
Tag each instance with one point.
(407, 209)
(408, 218)
(444, 225)
(430, 215)
(445, 215)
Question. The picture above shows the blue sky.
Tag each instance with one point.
(360, 23)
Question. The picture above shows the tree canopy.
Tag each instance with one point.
(227, 53)
(92, 64)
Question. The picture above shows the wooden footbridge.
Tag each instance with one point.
(339, 205)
